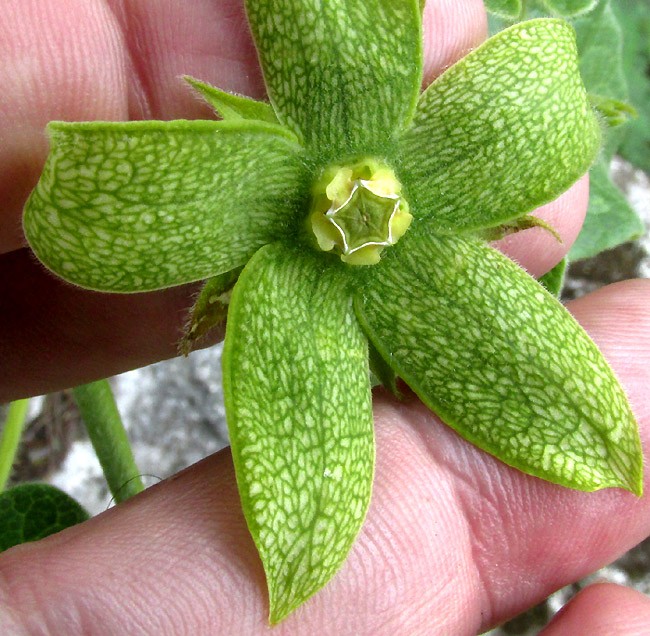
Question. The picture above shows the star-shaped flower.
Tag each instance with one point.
(358, 208)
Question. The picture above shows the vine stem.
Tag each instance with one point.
(11, 434)
(108, 437)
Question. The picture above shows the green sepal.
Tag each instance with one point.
(569, 8)
(526, 222)
(501, 361)
(298, 404)
(29, 512)
(343, 75)
(506, 9)
(137, 206)
(613, 112)
(610, 220)
(232, 107)
(210, 309)
(553, 280)
(492, 140)
(383, 372)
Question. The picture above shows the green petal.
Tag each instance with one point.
(343, 74)
(506, 9)
(138, 206)
(300, 419)
(570, 8)
(503, 131)
(229, 106)
(501, 361)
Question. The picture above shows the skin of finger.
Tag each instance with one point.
(61, 59)
(603, 609)
(54, 335)
(454, 543)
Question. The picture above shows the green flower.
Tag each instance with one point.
(351, 159)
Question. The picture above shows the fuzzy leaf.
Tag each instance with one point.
(503, 131)
(501, 361)
(229, 106)
(610, 220)
(299, 415)
(600, 49)
(29, 512)
(634, 16)
(570, 8)
(506, 9)
(138, 206)
(343, 75)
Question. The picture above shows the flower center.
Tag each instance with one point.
(358, 210)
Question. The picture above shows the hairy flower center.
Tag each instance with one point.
(358, 210)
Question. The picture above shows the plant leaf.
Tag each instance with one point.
(610, 220)
(138, 206)
(300, 419)
(600, 49)
(229, 106)
(634, 17)
(503, 131)
(505, 9)
(553, 280)
(29, 512)
(501, 361)
(343, 75)
(570, 8)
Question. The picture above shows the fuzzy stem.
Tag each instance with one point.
(108, 437)
(11, 437)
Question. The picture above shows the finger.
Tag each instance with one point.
(167, 39)
(452, 28)
(61, 59)
(454, 541)
(55, 335)
(603, 609)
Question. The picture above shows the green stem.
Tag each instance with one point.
(108, 437)
(11, 437)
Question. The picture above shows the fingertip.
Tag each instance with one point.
(603, 609)
(452, 28)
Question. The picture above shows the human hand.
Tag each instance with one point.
(181, 550)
